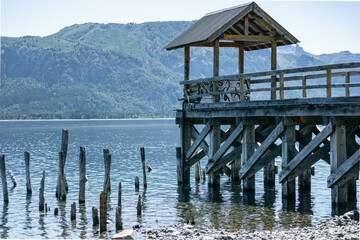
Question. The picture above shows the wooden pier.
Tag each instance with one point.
(303, 115)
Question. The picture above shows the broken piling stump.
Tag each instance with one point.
(64, 148)
(137, 183)
(3, 178)
(27, 170)
(95, 216)
(138, 207)
(142, 152)
(118, 218)
(82, 170)
(41, 192)
(73, 211)
(103, 209)
(61, 181)
(107, 164)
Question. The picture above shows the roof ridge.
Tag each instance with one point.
(228, 9)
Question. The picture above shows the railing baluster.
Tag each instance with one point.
(242, 87)
(281, 86)
(328, 82)
(347, 80)
(304, 85)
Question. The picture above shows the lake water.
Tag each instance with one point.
(164, 204)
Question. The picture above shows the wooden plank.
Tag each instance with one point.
(221, 44)
(344, 168)
(246, 25)
(224, 147)
(304, 85)
(305, 152)
(198, 140)
(328, 83)
(347, 80)
(227, 158)
(275, 72)
(281, 86)
(197, 157)
(203, 144)
(247, 167)
(248, 38)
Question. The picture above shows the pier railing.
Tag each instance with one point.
(238, 87)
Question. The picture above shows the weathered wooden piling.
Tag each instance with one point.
(118, 218)
(41, 192)
(27, 170)
(142, 153)
(288, 153)
(73, 211)
(82, 170)
(107, 164)
(137, 183)
(248, 148)
(197, 172)
(3, 178)
(56, 211)
(138, 207)
(64, 148)
(61, 181)
(179, 165)
(203, 174)
(46, 208)
(103, 211)
(12, 177)
(95, 216)
(119, 195)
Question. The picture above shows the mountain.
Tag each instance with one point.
(116, 70)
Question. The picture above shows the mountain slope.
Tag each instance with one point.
(115, 70)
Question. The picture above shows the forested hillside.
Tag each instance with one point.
(116, 70)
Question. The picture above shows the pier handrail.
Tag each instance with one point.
(277, 76)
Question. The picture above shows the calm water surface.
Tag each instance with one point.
(163, 203)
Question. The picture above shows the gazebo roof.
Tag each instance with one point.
(230, 25)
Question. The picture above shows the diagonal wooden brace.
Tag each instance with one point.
(198, 141)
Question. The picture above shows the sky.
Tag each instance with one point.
(321, 27)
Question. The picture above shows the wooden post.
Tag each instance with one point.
(56, 211)
(137, 183)
(304, 85)
(269, 174)
(138, 207)
(12, 177)
(304, 179)
(281, 86)
(186, 63)
(82, 170)
(118, 219)
(328, 82)
(142, 153)
(273, 67)
(41, 193)
(241, 69)
(197, 172)
(179, 165)
(61, 181)
(73, 211)
(3, 178)
(248, 148)
(185, 141)
(119, 195)
(339, 196)
(347, 80)
(27, 170)
(216, 68)
(64, 148)
(103, 208)
(214, 177)
(203, 174)
(288, 153)
(107, 164)
(95, 216)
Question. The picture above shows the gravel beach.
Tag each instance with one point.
(339, 227)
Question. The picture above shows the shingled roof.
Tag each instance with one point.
(231, 21)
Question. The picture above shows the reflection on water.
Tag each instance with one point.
(163, 202)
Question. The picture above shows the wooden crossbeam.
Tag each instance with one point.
(197, 157)
(228, 158)
(227, 171)
(341, 172)
(245, 170)
(305, 152)
(248, 38)
(203, 144)
(224, 147)
(310, 160)
(265, 24)
(198, 140)
(225, 134)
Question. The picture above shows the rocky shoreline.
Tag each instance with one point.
(339, 227)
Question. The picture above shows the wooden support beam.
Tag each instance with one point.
(347, 80)
(221, 44)
(288, 153)
(248, 149)
(273, 67)
(304, 85)
(305, 152)
(185, 141)
(265, 24)
(214, 177)
(241, 58)
(248, 38)
(328, 82)
(341, 172)
(246, 25)
(225, 135)
(247, 169)
(281, 86)
(195, 134)
(186, 63)
(198, 141)
(228, 158)
(227, 171)
(304, 180)
(216, 98)
(339, 196)
(194, 159)
(224, 147)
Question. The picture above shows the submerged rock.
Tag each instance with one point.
(125, 234)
